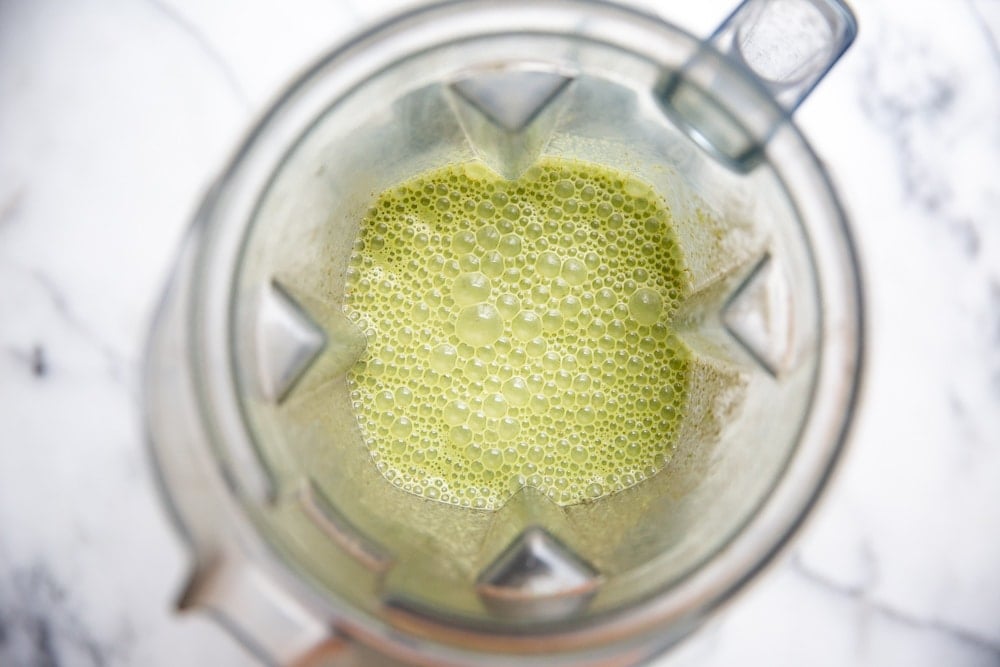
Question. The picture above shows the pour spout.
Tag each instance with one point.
(754, 71)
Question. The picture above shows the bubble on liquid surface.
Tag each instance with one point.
(645, 305)
(443, 358)
(479, 325)
(511, 328)
(526, 325)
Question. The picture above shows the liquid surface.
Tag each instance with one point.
(518, 333)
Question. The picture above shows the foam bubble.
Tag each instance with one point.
(471, 288)
(479, 325)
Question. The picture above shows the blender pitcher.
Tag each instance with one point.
(301, 545)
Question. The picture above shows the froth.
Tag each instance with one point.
(518, 333)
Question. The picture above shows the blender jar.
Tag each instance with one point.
(301, 545)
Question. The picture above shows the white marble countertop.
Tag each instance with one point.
(114, 115)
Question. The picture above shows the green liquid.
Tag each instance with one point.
(518, 333)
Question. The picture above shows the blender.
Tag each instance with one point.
(301, 546)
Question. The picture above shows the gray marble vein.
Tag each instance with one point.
(212, 54)
(39, 628)
(861, 595)
(990, 25)
(117, 366)
(9, 208)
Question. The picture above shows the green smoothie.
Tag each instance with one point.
(518, 333)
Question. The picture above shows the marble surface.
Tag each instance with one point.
(114, 115)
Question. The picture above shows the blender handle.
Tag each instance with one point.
(748, 78)
(789, 45)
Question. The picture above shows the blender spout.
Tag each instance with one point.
(751, 75)
(788, 45)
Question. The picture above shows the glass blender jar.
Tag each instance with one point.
(309, 554)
